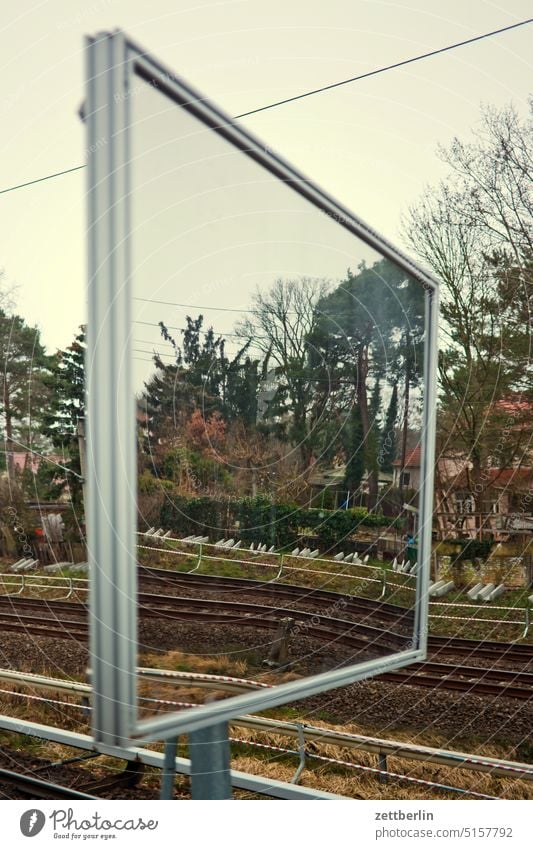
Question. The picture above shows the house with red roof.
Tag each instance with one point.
(407, 475)
(502, 509)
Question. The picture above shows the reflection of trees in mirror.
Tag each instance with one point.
(370, 329)
(332, 359)
(279, 326)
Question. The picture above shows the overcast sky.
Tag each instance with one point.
(371, 144)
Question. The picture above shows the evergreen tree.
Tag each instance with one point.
(66, 384)
(375, 406)
(355, 451)
(387, 449)
(364, 320)
(23, 391)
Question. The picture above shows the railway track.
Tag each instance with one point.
(69, 620)
(30, 787)
(33, 787)
(284, 592)
(355, 605)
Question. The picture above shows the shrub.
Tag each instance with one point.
(471, 548)
(260, 518)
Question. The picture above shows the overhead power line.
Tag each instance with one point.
(45, 457)
(385, 68)
(313, 91)
(192, 306)
(42, 179)
(184, 329)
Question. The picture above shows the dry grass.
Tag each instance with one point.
(365, 785)
(182, 662)
(335, 778)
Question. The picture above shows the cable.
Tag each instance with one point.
(42, 179)
(192, 306)
(44, 457)
(323, 380)
(226, 334)
(385, 68)
(319, 90)
(198, 307)
(155, 353)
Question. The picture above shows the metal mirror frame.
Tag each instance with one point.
(114, 64)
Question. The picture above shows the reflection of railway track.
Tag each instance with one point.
(472, 679)
(323, 599)
(327, 600)
(38, 617)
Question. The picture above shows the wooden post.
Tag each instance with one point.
(279, 651)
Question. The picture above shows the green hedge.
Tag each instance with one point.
(261, 520)
(471, 548)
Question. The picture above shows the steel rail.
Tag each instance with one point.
(500, 675)
(355, 604)
(342, 633)
(392, 612)
(153, 574)
(490, 650)
(275, 588)
(433, 675)
(477, 688)
(493, 650)
(436, 644)
(473, 762)
(39, 789)
(245, 781)
(170, 603)
(27, 579)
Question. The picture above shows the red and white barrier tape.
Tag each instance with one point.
(44, 699)
(365, 768)
(472, 760)
(195, 676)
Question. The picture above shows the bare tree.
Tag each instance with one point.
(7, 293)
(492, 178)
(474, 231)
(279, 326)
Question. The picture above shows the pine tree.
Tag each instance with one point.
(355, 451)
(66, 385)
(23, 390)
(387, 450)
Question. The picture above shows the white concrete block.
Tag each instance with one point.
(496, 593)
(435, 586)
(473, 593)
(486, 591)
(444, 590)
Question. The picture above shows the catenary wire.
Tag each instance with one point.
(305, 94)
